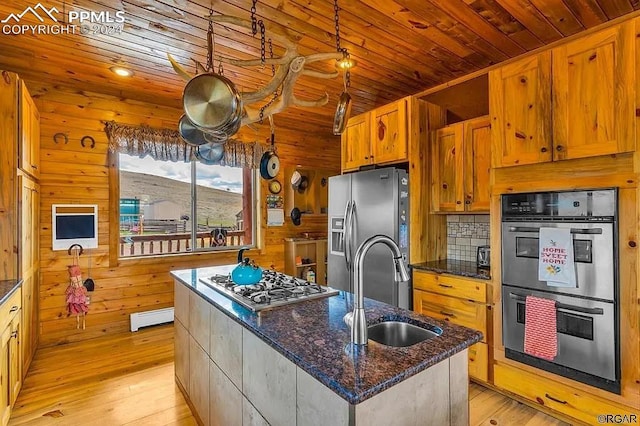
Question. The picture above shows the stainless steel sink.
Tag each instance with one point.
(400, 334)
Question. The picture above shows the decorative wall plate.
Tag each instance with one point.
(275, 186)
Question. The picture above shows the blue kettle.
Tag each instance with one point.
(247, 272)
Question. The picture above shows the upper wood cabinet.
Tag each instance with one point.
(574, 101)
(29, 151)
(376, 137)
(520, 108)
(460, 166)
(356, 150)
(389, 133)
(594, 94)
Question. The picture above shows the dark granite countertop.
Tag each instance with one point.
(7, 287)
(454, 267)
(314, 337)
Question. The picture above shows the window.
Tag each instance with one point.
(176, 207)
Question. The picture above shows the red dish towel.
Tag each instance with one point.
(540, 328)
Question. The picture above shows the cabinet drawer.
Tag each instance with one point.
(479, 361)
(10, 308)
(451, 286)
(461, 312)
(553, 395)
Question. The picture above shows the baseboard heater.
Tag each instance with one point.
(145, 319)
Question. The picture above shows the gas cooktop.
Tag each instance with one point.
(274, 289)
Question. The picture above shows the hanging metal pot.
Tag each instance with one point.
(270, 163)
(210, 153)
(211, 101)
(343, 111)
(190, 133)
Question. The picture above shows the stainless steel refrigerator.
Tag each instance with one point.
(361, 205)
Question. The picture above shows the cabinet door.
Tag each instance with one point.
(29, 133)
(520, 109)
(446, 167)
(29, 266)
(15, 359)
(389, 133)
(5, 388)
(356, 150)
(477, 162)
(593, 94)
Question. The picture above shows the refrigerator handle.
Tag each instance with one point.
(352, 226)
(345, 235)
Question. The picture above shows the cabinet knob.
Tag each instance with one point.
(559, 148)
(445, 186)
(458, 202)
(366, 157)
(467, 202)
(13, 309)
(34, 166)
(14, 334)
(543, 149)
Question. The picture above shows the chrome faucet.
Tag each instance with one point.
(356, 319)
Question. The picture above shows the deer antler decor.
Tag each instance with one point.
(291, 66)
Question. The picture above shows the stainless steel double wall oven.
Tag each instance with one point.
(587, 315)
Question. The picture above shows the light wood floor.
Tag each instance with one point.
(128, 379)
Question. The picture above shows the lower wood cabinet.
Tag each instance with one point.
(554, 395)
(10, 354)
(462, 301)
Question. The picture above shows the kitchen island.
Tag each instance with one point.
(294, 365)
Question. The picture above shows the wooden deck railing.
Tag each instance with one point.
(146, 245)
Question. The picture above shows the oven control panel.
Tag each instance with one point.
(568, 204)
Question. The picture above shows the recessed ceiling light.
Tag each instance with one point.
(122, 72)
(346, 63)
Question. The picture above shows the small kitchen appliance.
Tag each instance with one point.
(483, 259)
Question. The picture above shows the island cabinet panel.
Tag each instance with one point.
(225, 400)
(181, 350)
(199, 380)
(268, 381)
(356, 149)
(389, 133)
(317, 404)
(200, 321)
(251, 416)
(520, 109)
(5, 354)
(226, 346)
(447, 162)
(181, 304)
(594, 94)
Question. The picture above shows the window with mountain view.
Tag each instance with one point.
(168, 208)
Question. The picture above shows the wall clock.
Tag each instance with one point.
(275, 186)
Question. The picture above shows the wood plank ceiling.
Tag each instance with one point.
(402, 46)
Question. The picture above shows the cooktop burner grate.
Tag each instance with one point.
(274, 289)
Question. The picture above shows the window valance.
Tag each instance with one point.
(168, 145)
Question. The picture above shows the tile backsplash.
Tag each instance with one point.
(464, 234)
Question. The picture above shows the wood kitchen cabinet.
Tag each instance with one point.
(10, 356)
(594, 94)
(462, 301)
(376, 137)
(460, 165)
(29, 265)
(29, 151)
(574, 101)
(356, 149)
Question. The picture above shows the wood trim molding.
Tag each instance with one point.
(114, 208)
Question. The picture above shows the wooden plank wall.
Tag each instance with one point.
(73, 174)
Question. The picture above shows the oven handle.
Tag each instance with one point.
(537, 229)
(592, 311)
